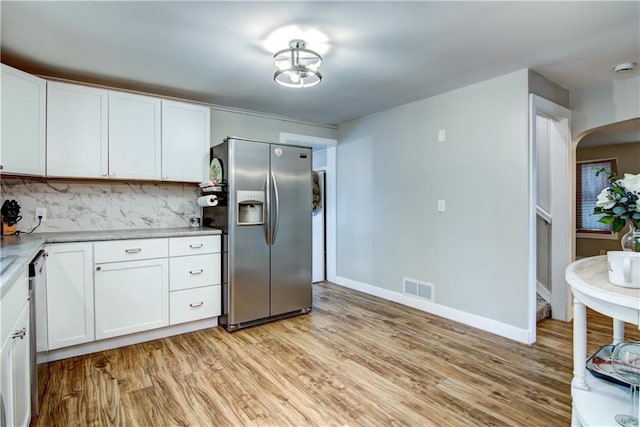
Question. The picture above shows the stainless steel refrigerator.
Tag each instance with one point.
(266, 223)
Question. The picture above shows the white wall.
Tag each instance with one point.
(547, 89)
(319, 159)
(597, 106)
(392, 170)
(261, 127)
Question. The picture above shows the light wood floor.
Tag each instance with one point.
(354, 360)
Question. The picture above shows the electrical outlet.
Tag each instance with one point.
(41, 212)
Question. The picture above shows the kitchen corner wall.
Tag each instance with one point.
(392, 170)
(80, 206)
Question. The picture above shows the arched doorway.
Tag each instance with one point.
(616, 145)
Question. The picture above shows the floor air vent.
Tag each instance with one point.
(418, 289)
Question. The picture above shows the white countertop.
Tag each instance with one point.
(591, 277)
(26, 247)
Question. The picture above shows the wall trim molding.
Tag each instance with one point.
(187, 100)
(469, 319)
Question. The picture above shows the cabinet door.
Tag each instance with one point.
(15, 372)
(6, 381)
(131, 296)
(185, 141)
(69, 294)
(76, 131)
(23, 123)
(22, 370)
(134, 136)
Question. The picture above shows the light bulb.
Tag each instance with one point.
(294, 76)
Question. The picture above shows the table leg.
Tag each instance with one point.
(618, 331)
(579, 345)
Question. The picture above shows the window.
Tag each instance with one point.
(588, 186)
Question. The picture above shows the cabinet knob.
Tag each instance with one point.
(98, 268)
(196, 304)
(1, 167)
(133, 251)
(19, 334)
(196, 271)
(196, 245)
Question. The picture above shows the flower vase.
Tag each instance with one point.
(631, 240)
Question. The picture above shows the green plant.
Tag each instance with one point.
(618, 203)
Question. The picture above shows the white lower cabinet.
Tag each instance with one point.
(131, 296)
(69, 294)
(194, 304)
(107, 289)
(195, 278)
(15, 370)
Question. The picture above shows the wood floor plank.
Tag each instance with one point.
(355, 360)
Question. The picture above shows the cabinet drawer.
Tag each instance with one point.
(194, 304)
(129, 250)
(12, 304)
(194, 271)
(179, 246)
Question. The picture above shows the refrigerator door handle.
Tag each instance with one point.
(267, 213)
(276, 203)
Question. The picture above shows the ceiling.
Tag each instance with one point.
(618, 133)
(377, 55)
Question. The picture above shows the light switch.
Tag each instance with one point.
(442, 135)
(440, 205)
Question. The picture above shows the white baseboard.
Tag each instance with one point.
(139, 337)
(483, 323)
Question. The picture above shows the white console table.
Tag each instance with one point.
(597, 402)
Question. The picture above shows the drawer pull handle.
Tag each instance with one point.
(196, 246)
(196, 304)
(133, 251)
(196, 271)
(19, 334)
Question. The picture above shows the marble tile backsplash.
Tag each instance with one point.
(80, 206)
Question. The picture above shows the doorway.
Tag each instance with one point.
(319, 226)
(551, 219)
(323, 242)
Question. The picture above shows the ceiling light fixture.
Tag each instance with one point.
(297, 66)
(626, 66)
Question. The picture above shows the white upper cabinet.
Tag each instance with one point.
(22, 147)
(134, 136)
(77, 131)
(185, 141)
(98, 133)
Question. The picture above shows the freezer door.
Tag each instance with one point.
(291, 229)
(248, 256)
